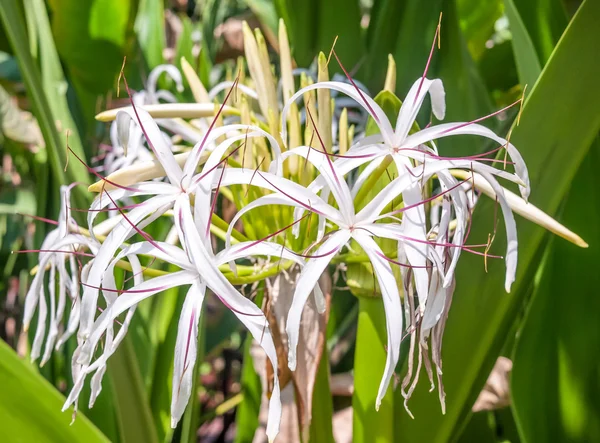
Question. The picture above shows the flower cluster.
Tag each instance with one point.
(287, 167)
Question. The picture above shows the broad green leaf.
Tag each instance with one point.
(133, 411)
(383, 26)
(555, 375)
(150, 30)
(340, 18)
(477, 20)
(558, 124)
(369, 425)
(91, 38)
(415, 30)
(31, 408)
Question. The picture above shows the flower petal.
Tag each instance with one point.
(466, 128)
(155, 139)
(307, 281)
(246, 311)
(361, 98)
(393, 308)
(185, 350)
(412, 104)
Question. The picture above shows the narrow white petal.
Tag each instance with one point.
(105, 254)
(393, 308)
(186, 348)
(412, 104)
(414, 226)
(361, 98)
(247, 312)
(308, 279)
(333, 177)
(163, 152)
(460, 128)
(289, 189)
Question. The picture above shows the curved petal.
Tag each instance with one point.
(289, 189)
(246, 311)
(414, 225)
(419, 173)
(185, 350)
(467, 128)
(361, 98)
(193, 159)
(391, 302)
(307, 281)
(412, 104)
(106, 252)
(155, 140)
(334, 179)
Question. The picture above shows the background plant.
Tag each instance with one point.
(68, 59)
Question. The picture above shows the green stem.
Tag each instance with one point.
(369, 425)
(321, 428)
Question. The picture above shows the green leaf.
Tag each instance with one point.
(299, 17)
(369, 425)
(133, 411)
(415, 31)
(266, 12)
(91, 38)
(150, 30)
(558, 124)
(477, 20)
(46, 91)
(30, 407)
(555, 376)
(526, 56)
(340, 18)
(545, 21)
(383, 25)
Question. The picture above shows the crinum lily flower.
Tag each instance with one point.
(361, 227)
(406, 150)
(200, 270)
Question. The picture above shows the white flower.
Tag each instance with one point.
(58, 262)
(198, 263)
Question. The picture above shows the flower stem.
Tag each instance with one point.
(370, 425)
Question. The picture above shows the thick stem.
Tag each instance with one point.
(370, 425)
